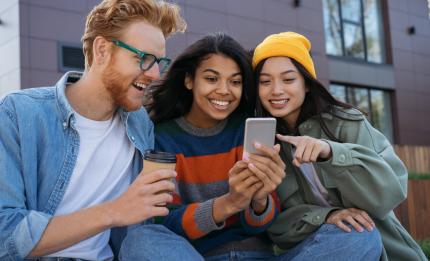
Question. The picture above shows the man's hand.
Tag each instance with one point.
(145, 198)
(137, 204)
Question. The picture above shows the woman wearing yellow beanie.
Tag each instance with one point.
(343, 178)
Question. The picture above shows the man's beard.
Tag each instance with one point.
(117, 87)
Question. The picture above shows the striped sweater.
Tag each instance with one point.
(204, 158)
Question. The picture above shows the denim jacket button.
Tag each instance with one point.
(342, 158)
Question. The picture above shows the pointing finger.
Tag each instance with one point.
(290, 139)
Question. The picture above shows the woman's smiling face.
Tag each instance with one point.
(282, 89)
(216, 88)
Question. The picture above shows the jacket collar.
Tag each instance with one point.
(64, 106)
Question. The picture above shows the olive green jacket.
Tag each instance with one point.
(364, 172)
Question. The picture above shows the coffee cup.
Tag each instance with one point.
(157, 160)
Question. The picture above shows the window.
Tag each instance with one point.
(353, 28)
(376, 103)
(429, 6)
(71, 58)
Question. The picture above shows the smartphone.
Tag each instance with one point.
(261, 130)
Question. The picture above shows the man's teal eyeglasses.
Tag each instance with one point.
(147, 60)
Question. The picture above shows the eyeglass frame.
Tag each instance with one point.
(142, 54)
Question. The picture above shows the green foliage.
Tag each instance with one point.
(417, 176)
(425, 246)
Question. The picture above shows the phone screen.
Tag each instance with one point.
(261, 130)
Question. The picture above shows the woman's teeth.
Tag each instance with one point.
(139, 86)
(220, 103)
(279, 101)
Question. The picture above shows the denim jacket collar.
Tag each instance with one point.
(64, 106)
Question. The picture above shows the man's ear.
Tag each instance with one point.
(188, 82)
(101, 50)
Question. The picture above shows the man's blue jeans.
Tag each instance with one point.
(331, 243)
(156, 242)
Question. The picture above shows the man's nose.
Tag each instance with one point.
(153, 73)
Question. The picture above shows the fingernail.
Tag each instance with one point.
(245, 156)
(257, 145)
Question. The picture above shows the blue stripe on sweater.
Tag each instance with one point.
(170, 138)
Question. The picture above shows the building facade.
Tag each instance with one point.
(374, 54)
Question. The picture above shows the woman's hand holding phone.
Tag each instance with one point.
(269, 168)
(243, 184)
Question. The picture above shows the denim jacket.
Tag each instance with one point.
(38, 150)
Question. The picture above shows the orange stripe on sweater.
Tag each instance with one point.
(207, 169)
(189, 223)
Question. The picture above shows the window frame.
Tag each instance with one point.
(370, 114)
(384, 56)
(61, 66)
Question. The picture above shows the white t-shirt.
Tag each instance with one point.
(102, 173)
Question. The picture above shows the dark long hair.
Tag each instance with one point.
(171, 99)
(318, 100)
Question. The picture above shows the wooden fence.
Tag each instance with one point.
(414, 213)
(416, 158)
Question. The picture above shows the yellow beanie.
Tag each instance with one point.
(289, 44)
